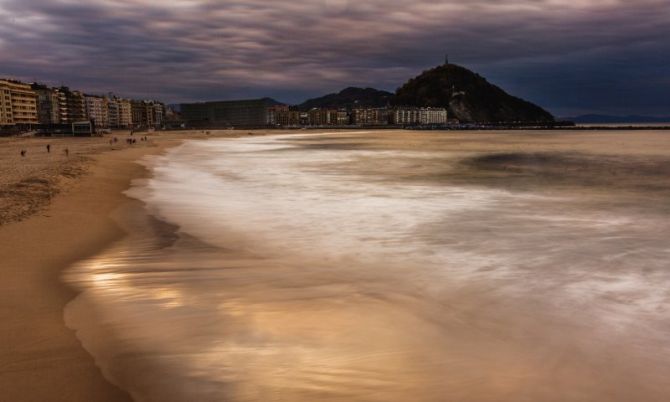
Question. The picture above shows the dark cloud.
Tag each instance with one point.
(571, 56)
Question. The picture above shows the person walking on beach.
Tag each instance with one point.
(67, 152)
(48, 148)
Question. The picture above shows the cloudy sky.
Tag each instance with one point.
(570, 56)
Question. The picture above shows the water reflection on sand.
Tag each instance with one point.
(341, 267)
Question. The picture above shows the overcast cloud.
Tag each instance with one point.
(570, 56)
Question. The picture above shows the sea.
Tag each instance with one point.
(330, 266)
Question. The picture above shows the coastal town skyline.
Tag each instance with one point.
(612, 53)
(62, 110)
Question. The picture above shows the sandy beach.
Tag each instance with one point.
(42, 359)
(57, 210)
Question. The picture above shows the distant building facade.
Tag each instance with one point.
(283, 116)
(125, 113)
(370, 117)
(405, 116)
(146, 113)
(22, 104)
(411, 116)
(59, 110)
(97, 110)
(323, 117)
(343, 117)
(158, 111)
(72, 106)
(432, 116)
(289, 118)
(277, 114)
(113, 113)
(18, 103)
(239, 113)
(48, 110)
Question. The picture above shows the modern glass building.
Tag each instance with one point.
(223, 114)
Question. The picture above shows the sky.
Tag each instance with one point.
(569, 56)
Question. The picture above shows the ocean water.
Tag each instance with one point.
(310, 268)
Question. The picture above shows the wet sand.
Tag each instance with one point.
(390, 266)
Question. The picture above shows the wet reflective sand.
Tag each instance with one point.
(390, 266)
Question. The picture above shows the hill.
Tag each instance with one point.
(349, 98)
(468, 97)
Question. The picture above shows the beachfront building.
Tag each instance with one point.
(142, 116)
(287, 118)
(125, 113)
(71, 105)
(62, 105)
(411, 116)
(48, 111)
(370, 117)
(405, 116)
(237, 113)
(432, 116)
(113, 112)
(147, 113)
(6, 116)
(18, 103)
(276, 114)
(343, 117)
(97, 110)
(158, 114)
(401, 116)
(119, 112)
(322, 117)
(55, 110)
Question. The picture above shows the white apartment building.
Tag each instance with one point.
(405, 116)
(96, 110)
(113, 112)
(410, 116)
(428, 116)
(125, 113)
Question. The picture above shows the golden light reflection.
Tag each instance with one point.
(168, 297)
(102, 279)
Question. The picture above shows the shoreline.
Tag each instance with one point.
(42, 358)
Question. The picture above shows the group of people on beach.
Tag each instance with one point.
(24, 152)
(131, 141)
(112, 141)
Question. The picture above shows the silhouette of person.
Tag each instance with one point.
(49, 148)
